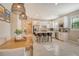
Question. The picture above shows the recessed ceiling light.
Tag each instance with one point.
(56, 4)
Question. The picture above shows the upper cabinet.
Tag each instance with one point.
(4, 14)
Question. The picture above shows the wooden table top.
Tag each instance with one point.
(17, 44)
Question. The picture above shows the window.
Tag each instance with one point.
(75, 22)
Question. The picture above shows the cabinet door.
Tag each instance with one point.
(59, 36)
(64, 36)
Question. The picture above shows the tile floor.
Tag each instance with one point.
(55, 48)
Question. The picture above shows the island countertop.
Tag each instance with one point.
(10, 44)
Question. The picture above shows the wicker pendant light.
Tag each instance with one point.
(18, 7)
(23, 16)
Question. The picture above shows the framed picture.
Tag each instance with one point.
(2, 9)
(7, 15)
(4, 14)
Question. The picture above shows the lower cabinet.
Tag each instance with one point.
(63, 36)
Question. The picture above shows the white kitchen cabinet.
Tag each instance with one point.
(63, 36)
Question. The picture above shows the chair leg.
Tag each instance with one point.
(37, 39)
(47, 38)
(41, 38)
(51, 38)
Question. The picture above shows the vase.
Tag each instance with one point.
(18, 37)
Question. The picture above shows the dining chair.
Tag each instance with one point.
(13, 52)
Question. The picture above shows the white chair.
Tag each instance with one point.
(12, 52)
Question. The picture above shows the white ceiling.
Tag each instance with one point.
(46, 10)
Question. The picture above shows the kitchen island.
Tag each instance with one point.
(11, 44)
(63, 36)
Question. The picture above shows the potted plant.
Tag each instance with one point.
(18, 34)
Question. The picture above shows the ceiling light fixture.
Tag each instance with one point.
(18, 7)
(23, 16)
(56, 4)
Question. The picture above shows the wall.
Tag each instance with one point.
(74, 33)
(27, 25)
(13, 24)
(4, 29)
(4, 32)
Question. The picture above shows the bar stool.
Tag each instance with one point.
(34, 33)
(47, 37)
(44, 37)
(35, 36)
(50, 36)
(39, 37)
